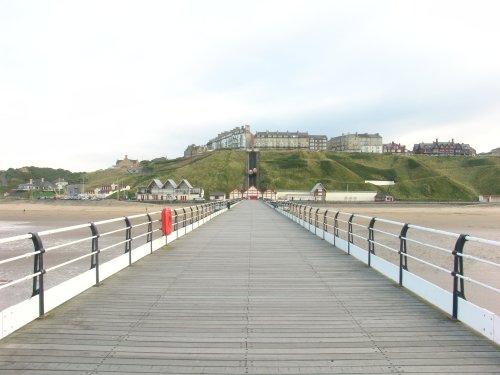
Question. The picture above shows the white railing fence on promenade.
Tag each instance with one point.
(458, 273)
(40, 271)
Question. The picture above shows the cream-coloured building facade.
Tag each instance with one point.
(371, 143)
(281, 140)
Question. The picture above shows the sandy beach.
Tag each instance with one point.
(480, 220)
(71, 209)
(49, 214)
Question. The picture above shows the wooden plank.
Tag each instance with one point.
(249, 293)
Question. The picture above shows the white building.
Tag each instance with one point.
(169, 191)
(319, 193)
(351, 196)
(489, 198)
(252, 193)
(239, 138)
(236, 194)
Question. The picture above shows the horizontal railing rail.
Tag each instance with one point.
(61, 263)
(437, 265)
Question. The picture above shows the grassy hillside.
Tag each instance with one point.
(418, 178)
(299, 170)
(217, 171)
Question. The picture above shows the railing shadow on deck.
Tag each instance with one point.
(41, 270)
(457, 273)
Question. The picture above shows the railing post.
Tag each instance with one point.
(38, 268)
(128, 240)
(176, 220)
(403, 261)
(325, 223)
(458, 270)
(350, 237)
(310, 217)
(149, 237)
(371, 239)
(94, 259)
(316, 221)
(335, 227)
(184, 221)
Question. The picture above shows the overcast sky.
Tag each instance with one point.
(82, 83)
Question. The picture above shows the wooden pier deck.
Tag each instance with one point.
(249, 293)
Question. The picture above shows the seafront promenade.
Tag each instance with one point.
(250, 292)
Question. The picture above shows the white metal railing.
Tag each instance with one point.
(437, 265)
(66, 261)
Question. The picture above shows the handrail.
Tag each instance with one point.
(63, 247)
(415, 251)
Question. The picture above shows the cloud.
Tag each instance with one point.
(83, 84)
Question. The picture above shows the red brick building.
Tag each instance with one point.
(443, 148)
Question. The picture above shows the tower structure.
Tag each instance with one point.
(252, 169)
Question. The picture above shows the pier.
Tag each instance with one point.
(250, 292)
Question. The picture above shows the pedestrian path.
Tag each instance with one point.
(250, 292)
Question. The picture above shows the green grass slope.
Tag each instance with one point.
(301, 170)
(222, 170)
(418, 178)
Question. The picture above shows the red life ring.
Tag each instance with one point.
(166, 221)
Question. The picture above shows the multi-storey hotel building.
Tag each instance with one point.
(356, 143)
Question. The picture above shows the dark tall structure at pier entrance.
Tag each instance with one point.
(252, 169)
